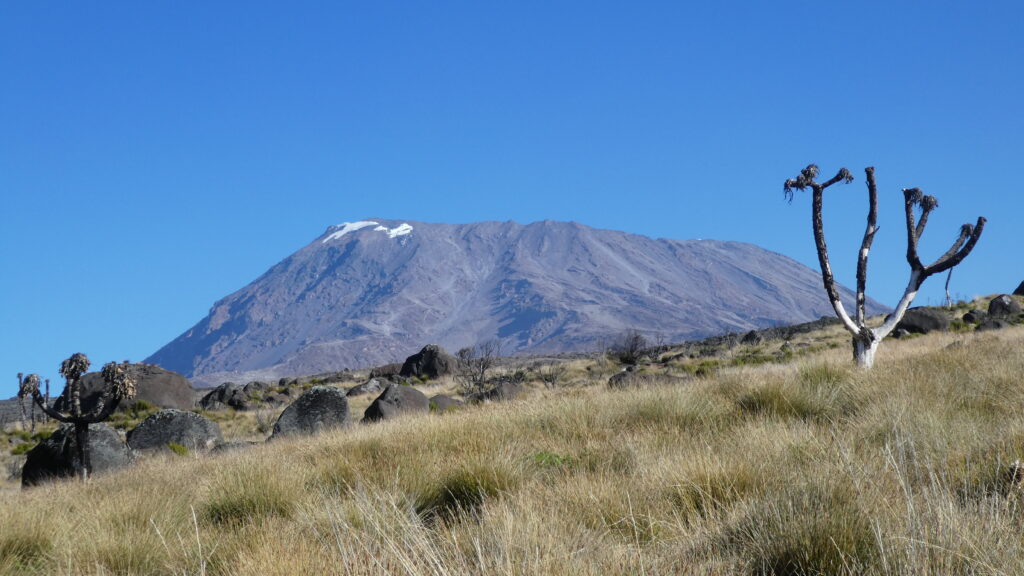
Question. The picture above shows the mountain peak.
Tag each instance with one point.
(373, 291)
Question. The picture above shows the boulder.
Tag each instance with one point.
(187, 429)
(992, 324)
(975, 316)
(373, 386)
(395, 401)
(386, 371)
(57, 456)
(500, 391)
(1020, 290)
(430, 362)
(440, 403)
(227, 395)
(275, 399)
(637, 379)
(900, 333)
(751, 337)
(318, 409)
(232, 446)
(256, 389)
(924, 320)
(153, 384)
(1003, 305)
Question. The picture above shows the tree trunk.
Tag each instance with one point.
(82, 445)
(864, 351)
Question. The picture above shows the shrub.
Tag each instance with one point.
(22, 449)
(178, 448)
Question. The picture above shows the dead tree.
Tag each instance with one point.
(118, 385)
(474, 362)
(29, 414)
(865, 338)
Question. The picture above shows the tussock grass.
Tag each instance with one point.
(806, 467)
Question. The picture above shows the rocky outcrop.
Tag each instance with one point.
(992, 324)
(395, 401)
(439, 403)
(975, 316)
(1003, 306)
(166, 427)
(431, 362)
(57, 456)
(501, 390)
(319, 409)
(924, 320)
(372, 386)
(227, 395)
(153, 384)
(637, 379)
(1020, 290)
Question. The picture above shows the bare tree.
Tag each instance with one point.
(119, 384)
(475, 362)
(866, 339)
(630, 347)
(552, 374)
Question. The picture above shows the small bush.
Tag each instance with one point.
(22, 449)
(178, 448)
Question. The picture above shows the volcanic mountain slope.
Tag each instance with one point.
(372, 292)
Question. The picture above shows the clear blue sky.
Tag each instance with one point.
(156, 156)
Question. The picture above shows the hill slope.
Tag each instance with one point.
(373, 292)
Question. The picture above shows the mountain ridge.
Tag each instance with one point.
(373, 291)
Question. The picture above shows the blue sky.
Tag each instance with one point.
(157, 156)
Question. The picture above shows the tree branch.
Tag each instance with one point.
(911, 196)
(945, 263)
(865, 246)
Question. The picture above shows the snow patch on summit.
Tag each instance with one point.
(346, 227)
(400, 230)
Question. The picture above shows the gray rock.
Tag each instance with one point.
(320, 408)
(276, 399)
(254, 389)
(1003, 305)
(1020, 290)
(373, 386)
(900, 333)
(232, 446)
(430, 362)
(992, 324)
(57, 456)
(440, 403)
(187, 429)
(153, 384)
(640, 379)
(975, 316)
(501, 391)
(924, 320)
(751, 337)
(227, 395)
(395, 401)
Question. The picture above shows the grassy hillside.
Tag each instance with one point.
(796, 465)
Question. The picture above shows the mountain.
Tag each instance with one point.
(372, 292)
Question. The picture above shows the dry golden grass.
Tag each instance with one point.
(807, 467)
